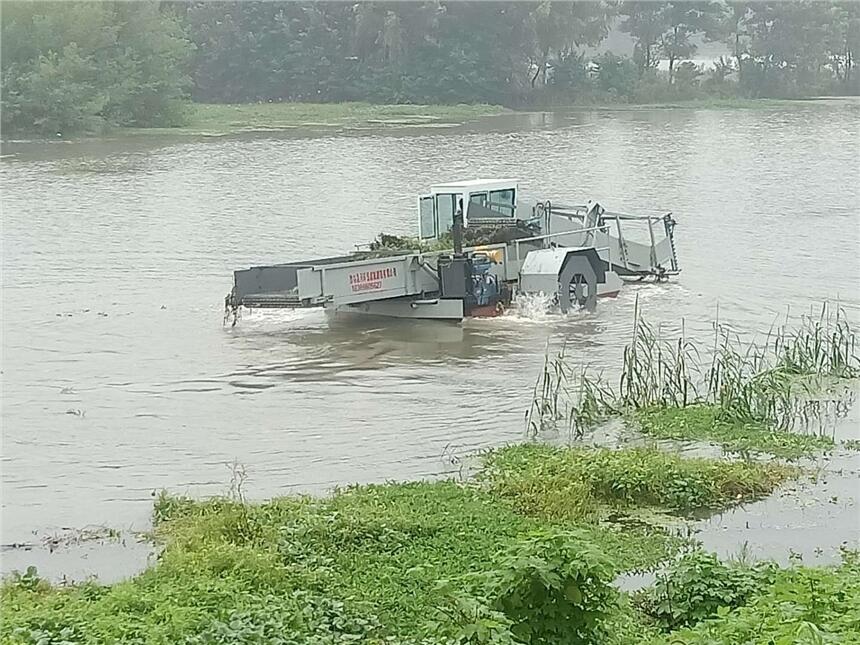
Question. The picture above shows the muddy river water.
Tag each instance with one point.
(119, 379)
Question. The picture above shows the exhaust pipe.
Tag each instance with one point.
(457, 230)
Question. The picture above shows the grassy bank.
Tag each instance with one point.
(429, 562)
(215, 120)
(702, 601)
(225, 119)
(205, 119)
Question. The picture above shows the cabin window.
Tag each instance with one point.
(503, 201)
(445, 205)
(478, 198)
(426, 221)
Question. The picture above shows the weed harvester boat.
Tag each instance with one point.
(494, 248)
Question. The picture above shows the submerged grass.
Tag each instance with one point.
(707, 423)
(364, 565)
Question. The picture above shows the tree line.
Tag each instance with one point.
(72, 66)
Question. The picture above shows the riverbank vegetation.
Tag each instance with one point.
(77, 67)
(71, 67)
(524, 554)
(531, 549)
(771, 395)
(702, 601)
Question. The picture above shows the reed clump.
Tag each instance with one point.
(749, 389)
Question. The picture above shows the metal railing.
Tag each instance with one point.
(537, 238)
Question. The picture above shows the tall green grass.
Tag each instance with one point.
(551, 395)
(763, 381)
(825, 344)
(567, 398)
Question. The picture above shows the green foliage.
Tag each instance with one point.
(687, 76)
(554, 482)
(474, 622)
(328, 51)
(750, 397)
(780, 49)
(802, 606)
(554, 587)
(657, 371)
(759, 381)
(72, 67)
(69, 67)
(825, 345)
(549, 586)
(566, 399)
(525, 555)
(645, 22)
(617, 76)
(29, 580)
(167, 507)
(706, 423)
(550, 399)
(359, 566)
(698, 586)
(473, 236)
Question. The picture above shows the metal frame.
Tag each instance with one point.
(547, 236)
(580, 212)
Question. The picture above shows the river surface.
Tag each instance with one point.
(119, 379)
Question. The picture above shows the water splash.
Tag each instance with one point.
(264, 319)
(538, 308)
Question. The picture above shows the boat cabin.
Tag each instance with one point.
(480, 199)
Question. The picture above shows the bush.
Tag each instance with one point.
(617, 76)
(698, 586)
(549, 587)
(800, 606)
(686, 85)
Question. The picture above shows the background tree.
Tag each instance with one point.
(616, 77)
(842, 42)
(733, 31)
(681, 21)
(71, 66)
(561, 27)
(687, 78)
(787, 44)
(645, 22)
(78, 66)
